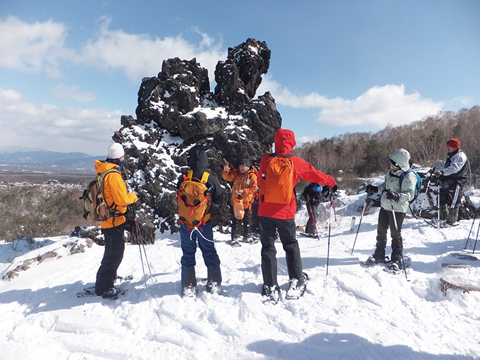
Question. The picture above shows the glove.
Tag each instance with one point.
(325, 190)
(334, 188)
(438, 174)
(392, 195)
(370, 189)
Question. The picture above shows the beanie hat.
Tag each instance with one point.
(244, 162)
(115, 151)
(317, 187)
(453, 143)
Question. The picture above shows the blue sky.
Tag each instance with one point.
(70, 69)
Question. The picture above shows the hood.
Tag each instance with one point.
(101, 166)
(284, 141)
(198, 161)
(402, 158)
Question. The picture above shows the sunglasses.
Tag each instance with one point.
(394, 163)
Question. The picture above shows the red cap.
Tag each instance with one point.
(453, 143)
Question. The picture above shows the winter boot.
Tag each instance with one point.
(452, 216)
(444, 212)
(214, 281)
(190, 284)
(297, 287)
(271, 293)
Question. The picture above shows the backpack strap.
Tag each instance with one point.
(111, 208)
(204, 180)
(402, 176)
(282, 155)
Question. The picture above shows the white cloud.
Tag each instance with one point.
(32, 47)
(40, 47)
(378, 106)
(54, 128)
(141, 55)
(62, 91)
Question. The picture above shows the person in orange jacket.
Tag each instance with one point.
(281, 217)
(244, 188)
(117, 198)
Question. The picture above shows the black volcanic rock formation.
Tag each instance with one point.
(177, 112)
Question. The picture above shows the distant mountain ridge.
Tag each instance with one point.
(70, 160)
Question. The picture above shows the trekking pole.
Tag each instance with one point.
(143, 241)
(438, 205)
(168, 182)
(476, 239)
(329, 229)
(468, 238)
(333, 205)
(396, 228)
(143, 267)
(360, 222)
(314, 222)
(393, 214)
(404, 267)
(137, 234)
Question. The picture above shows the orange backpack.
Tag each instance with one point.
(276, 185)
(193, 200)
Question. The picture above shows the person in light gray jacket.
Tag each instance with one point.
(397, 191)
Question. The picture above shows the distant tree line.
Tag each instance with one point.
(363, 154)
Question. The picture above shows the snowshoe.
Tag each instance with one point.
(395, 267)
(270, 294)
(250, 239)
(372, 261)
(88, 291)
(234, 243)
(113, 293)
(297, 288)
(124, 278)
(310, 235)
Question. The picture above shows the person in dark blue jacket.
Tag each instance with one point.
(313, 195)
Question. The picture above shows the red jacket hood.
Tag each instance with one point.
(284, 141)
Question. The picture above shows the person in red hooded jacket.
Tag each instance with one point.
(281, 217)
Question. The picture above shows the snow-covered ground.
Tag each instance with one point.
(351, 313)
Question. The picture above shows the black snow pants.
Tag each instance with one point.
(385, 220)
(287, 232)
(112, 257)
